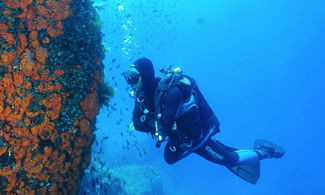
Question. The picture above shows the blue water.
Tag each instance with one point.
(260, 65)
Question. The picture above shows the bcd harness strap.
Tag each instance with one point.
(163, 87)
(160, 93)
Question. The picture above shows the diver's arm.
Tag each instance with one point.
(146, 126)
(173, 99)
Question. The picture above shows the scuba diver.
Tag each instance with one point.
(173, 109)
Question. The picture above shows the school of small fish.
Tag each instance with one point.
(123, 42)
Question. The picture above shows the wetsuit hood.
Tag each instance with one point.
(147, 72)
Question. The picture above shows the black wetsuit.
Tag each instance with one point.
(195, 125)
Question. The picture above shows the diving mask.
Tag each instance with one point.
(131, 76)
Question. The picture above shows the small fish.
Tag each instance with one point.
(109, 176)
(92, 169)
(127, 142)
(85, 192)
(93, 184)
(101, 150)
(96, 142)
(96, 180)
(105, 138)
(113, 60)
(121, 134)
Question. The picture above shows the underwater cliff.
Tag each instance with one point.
(51, 89)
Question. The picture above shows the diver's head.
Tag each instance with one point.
(134, 80)
(132, 75)
(140, 75)
(145, 68)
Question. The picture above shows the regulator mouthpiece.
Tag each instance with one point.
(132, 93)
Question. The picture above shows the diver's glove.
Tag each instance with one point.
(160, 138)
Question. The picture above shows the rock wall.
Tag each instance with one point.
(51, 89)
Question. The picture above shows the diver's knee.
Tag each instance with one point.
(170, 161)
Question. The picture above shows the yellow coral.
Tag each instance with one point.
(46, 40)
(12, 3)
(9, 38)
(23, 43)
(27, 63)
(90, 105)
(18, 77)
(8, 57)
(56, 29)
(25, 3)
(41, 55)
(3, 150)
(53, 105)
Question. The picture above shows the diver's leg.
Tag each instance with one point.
(174, 153)
(216, 152)
(243, 163)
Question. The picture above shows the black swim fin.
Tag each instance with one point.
(268, 149)
(249, 172)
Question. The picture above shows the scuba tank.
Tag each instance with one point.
(174, 77)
